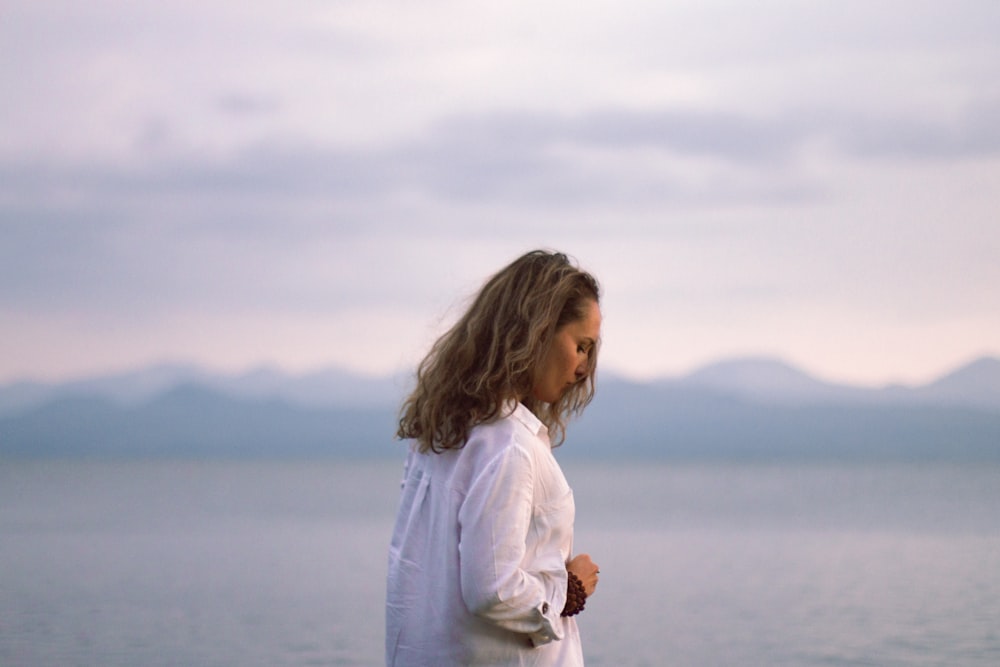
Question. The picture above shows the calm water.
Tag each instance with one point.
(282, 564)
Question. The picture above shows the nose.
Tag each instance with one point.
(581, 370)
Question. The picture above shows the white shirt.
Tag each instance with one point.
(477, 562)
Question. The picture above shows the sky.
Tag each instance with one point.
(306, 184)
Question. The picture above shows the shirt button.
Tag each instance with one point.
(545, 607)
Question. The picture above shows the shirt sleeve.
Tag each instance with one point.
(494, 521)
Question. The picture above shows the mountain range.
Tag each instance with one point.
(750, 408)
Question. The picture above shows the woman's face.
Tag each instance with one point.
(565, 362)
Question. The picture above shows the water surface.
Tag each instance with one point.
(230, 563)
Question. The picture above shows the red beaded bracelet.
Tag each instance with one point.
(576, 596)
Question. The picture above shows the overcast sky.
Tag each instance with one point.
(309, 183)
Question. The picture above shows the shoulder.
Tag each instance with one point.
(503, 442)
(517, 427)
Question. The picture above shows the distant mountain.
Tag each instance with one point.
(761, 380)
(766, 380)
(192, 421)
(739, 409)
(772, 381)
(674, 421)
(976, 384)
(129, 388)
(332, 387)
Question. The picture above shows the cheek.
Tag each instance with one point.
(571, 359)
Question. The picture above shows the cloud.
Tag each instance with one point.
(246, 104)
(975, 133)
(532, 158)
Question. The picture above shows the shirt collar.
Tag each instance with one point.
(528, 418)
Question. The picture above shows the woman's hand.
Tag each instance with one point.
(586, 570)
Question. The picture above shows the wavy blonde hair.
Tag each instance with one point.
(490, 355)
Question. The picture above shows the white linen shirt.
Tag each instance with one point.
(477, 561)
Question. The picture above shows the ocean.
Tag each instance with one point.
(282, 563)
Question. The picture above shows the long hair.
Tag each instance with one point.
(490, 356)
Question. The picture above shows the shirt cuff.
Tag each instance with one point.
(550, 615)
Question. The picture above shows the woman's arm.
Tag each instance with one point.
(494, 520)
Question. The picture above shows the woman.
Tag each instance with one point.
(481, 570)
